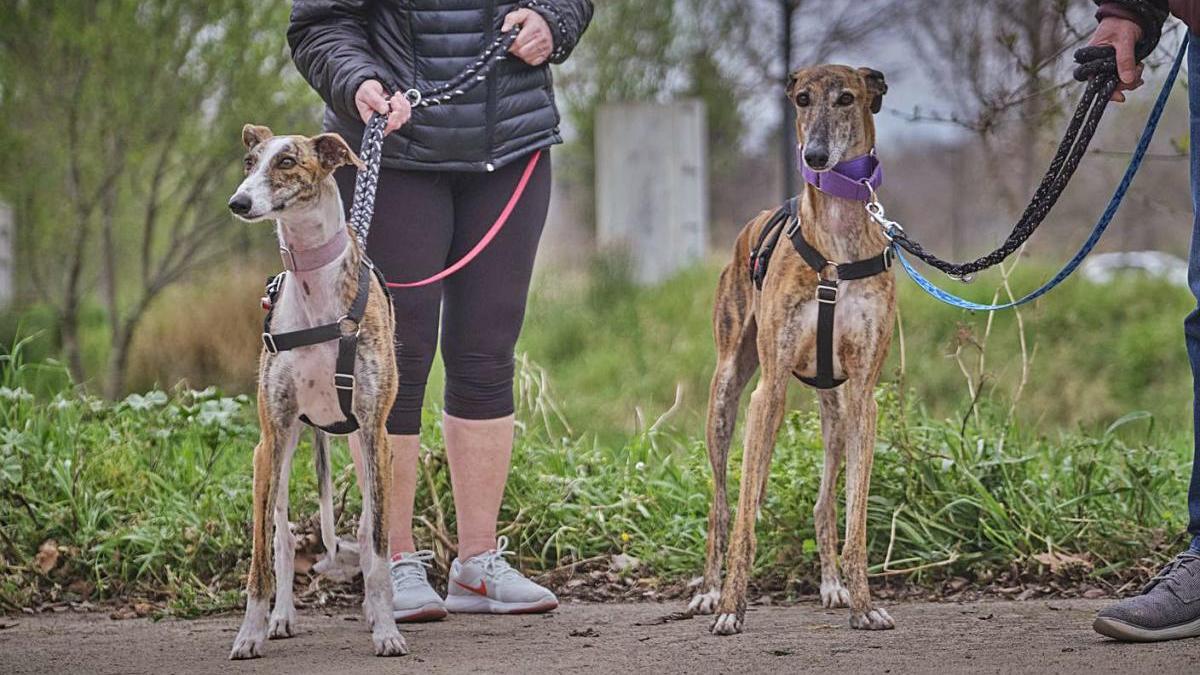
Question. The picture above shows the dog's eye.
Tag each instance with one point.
(846, 98)
(803, 99)
(248, 162)
(286, 163)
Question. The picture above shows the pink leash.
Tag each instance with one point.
(489, 236)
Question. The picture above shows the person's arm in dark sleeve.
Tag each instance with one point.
(331, 50)
(1149, 14)
(568, 19)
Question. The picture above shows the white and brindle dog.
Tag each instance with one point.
(289, 180)
(777, 328)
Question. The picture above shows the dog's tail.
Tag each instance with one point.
(325, 493)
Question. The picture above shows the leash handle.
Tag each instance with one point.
(1139, 154)
(366, 182)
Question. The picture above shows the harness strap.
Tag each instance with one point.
(786, 221)
(347, 356)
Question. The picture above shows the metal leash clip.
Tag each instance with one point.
(414, 97)
(879, 215)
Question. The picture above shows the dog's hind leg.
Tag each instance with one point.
(283, 615)
(325, 494)
(860, 412)
(835, 427)
(762, 426)
(373, 540)
(269, 457)
(737, 359)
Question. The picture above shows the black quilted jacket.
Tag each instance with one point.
(339, 44)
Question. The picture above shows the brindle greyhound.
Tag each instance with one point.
(289, 179)
(777, 329)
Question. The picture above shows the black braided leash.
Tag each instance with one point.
(366, 184)
(1098, 66)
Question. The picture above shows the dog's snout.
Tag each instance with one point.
(240, 204)
(816, 158)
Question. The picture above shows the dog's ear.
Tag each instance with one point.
(333, 152)
(252, 135)
(792, 80)
(876, 87)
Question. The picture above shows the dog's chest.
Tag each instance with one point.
(309, 371)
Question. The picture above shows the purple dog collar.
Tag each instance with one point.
(315, 258)
(848, 179)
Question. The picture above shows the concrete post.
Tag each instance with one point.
(652, 185)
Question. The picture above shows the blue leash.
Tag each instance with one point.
(1139, 154)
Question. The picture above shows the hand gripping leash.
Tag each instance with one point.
(366, 183)
(1098, 65)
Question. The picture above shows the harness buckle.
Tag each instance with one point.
(827, 293)
(269, 343)
(889, 258)
(792, 226)
(289, 258)
(343, 381)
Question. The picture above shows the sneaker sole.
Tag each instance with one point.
(478, 604)
(1127, 632)
(430, 612)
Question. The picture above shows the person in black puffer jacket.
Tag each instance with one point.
(448, 173)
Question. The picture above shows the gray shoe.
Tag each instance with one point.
(1167, 609)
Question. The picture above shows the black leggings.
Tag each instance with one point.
(425, 221)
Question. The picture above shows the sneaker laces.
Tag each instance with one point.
(493, 561)
(410, 569)
(1170, 572)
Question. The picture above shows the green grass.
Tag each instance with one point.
(150, 496)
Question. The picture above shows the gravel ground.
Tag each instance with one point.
(977, 637)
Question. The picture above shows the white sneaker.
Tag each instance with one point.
(487, 584)
(413, 599)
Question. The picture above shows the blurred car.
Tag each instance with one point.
(1105, 267)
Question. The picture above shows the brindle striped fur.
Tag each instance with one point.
(307, 207)
(776, 329)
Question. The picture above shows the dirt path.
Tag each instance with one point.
(985, 637)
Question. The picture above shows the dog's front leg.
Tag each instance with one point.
(269, 457)
(373, 540)
(762, 426)
(283, 616)
(736, 364)
(860, 455)
(836, 426)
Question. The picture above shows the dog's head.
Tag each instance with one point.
(834, 108)
(285, 173)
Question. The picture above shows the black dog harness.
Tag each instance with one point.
(786, 223)
(345, 330)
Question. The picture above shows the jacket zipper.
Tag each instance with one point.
(490, 108)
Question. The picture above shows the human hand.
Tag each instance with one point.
(535, 42)
(1122, 35)
(370, 100)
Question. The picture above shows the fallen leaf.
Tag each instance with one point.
(1060, 561)
(81, 587)
(47, 556)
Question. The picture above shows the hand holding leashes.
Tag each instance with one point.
(1098, 66)
(366, 183)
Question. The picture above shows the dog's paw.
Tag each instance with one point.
(872, 619)
(704, 603)
(833, 594)
(246, 647)
(389, 643)
(283, 624)
(726, 624)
